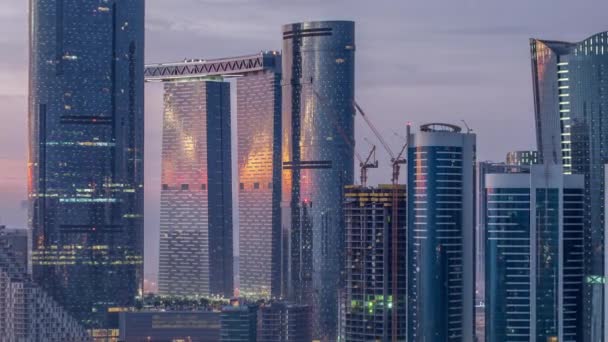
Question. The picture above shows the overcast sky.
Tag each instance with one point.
(427, 60)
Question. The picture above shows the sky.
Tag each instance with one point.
(416, 61)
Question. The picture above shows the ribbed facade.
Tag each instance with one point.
(259, 162)
(196, 196)
(534, 244)
(369, 301)
(284, 322)
(441, 224)
(523, 158)
(85, 169)
(318, 120)
(570, 96)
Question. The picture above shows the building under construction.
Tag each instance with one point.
(369, 293)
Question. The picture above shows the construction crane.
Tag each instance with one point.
(369, 163)
(396, 161)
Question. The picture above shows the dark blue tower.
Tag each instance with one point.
(85, 172)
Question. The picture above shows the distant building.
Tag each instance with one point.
(570, 97)
(318, 90)
(370, 298)
(284, 322)
(239, 323)
(16, 240)
(523, 158)
(441, 224)
(196, 196)
(534, 243)
(160, 326)
(27, 312)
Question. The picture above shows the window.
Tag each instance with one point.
(165, 186)
(185, 186)
(242, 186)
(203, 187)
(256, 185)
(270, 185)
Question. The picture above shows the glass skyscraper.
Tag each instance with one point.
(570, 100)
(318, 123)
(85, 169)
(258, 104)
(441, 225)
(534, 244)
(196, 196)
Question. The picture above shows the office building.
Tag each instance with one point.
(16, 240)
(192, 326)
(239, 322)
(318, 130)
(85, 168)
(534, 244)
(27, 312)
(284, 322)
(196, 196)
(258, 104)
(569, 97)
(441, 224)
(370, 296)
(484, 168)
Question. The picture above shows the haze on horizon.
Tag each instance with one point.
(418, 61)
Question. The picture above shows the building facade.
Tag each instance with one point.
(441, 244)
(239, 323)
(534, 243)
(284, 322)
(17, 241)
(317, 160)
(27, 312)
(370, 296)
(85, 169)
(258, 103)
(569, 99)
(192, 326)
(523, 158)
(196, 196)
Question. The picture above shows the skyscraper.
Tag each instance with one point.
(196, 196)
(85, 169)
(318, 123)
(441, 223)
(369, 301)
(569, 98)
(534, 243)
(259, 161)
(239, 322)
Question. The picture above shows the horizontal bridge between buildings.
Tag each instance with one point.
(231, 66)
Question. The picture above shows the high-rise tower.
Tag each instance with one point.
(258, 103)
(318, 119)
(570, 100)
(441, 223)
(196, 196)
(534, 243)
(85, 169)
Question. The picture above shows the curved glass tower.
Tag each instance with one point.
(570, 104)
(318, 126)
(85, 169)
(441, 223)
